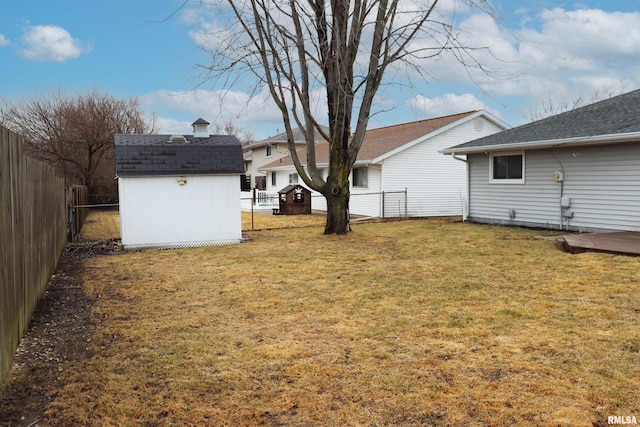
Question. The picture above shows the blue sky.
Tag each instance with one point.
(545, 50)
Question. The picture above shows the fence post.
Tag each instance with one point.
(406, 209)
(383, 205)
(72, 224)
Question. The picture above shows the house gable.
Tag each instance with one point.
(381, 143)
(281, 138)
(477, 115)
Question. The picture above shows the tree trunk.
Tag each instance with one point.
(337, 221)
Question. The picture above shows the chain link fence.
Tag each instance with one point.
(101, 222)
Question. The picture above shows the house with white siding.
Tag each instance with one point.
(269, 150)
(579, 170)
(179, 190)
(399, 170)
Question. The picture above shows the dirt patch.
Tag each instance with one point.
(58, 335)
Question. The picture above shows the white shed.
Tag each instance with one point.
(179, 190)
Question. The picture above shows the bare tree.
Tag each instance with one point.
(553, 103)
(342, 48)
(229, 128)
(75, 134)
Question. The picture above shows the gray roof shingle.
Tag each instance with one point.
(298, 138)
(613, 116)
(144, 155)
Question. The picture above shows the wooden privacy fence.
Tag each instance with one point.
(32, 238)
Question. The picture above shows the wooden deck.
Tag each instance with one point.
(622, 242)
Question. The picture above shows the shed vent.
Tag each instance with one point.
(177, 138)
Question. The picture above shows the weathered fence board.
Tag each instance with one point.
(77, 215)
(32, 238)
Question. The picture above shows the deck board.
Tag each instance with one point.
(625, 242)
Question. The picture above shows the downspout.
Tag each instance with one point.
(558, 176)
(455, 156)
(561, 207)
(380, 188)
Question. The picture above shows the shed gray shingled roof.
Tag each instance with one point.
(145, 155)
(613, 116)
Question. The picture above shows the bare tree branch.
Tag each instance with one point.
(75, 134)
(342, 48)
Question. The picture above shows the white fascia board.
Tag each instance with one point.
(551, 143)
(275, 168)
(496, 121)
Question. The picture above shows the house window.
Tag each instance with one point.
(293, 178)
(268, 150)
(273, 179)
(507, 168)
(361, 177)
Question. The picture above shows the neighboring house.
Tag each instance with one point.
(268, 150)
(401, 160)
(579, 170)
(179, 190)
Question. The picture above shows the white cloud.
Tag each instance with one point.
(51, 43)
(576, 51)
(573, 50)
(449, 103)
(583, 31)
(255, 113)
(164, 125)
(3, 40)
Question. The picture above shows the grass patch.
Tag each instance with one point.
(420, 322)
(105, 224)
(267, 221)
(101, 225)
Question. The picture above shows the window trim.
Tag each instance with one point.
(493, 180)
(268, 151)
(293, 178)
(353, 176)
(273, 179)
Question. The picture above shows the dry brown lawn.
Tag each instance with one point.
(105, 224)
(422, 322)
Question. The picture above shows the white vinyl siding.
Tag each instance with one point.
(366, 201)
(159, 212)
(259, 158)
(602, 182)
(436, 184)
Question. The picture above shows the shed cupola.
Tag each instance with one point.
(200, 128)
